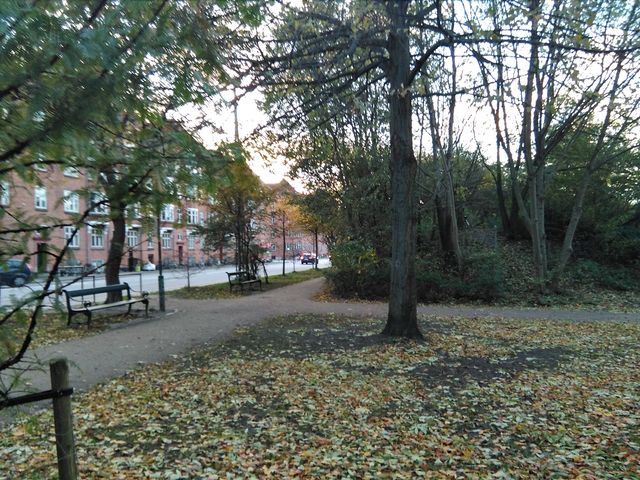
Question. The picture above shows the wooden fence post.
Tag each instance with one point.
(65, 445)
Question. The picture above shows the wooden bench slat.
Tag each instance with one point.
(240, 279)
(87, 308)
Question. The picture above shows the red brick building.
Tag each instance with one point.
(297, 240)
(62, 194)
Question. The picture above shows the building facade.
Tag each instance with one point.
(61, 197)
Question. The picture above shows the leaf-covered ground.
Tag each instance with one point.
(310, 397)
(52, 327)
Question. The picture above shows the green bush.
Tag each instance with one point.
(358, 272)
(483, 277)
(616, 278)
(432, 283)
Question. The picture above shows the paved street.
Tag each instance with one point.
(148, 281)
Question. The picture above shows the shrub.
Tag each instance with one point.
(616, 278)
(432, 283)
(483, 277)
(358, 272)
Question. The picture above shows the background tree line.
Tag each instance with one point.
(406, 117)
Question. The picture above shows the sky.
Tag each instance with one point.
(249, 118)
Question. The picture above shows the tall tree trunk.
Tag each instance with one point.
(447, 167)
(534, 160)
(594, 164)
(402, 318)
(116, 250)
(507, 230)
(444, 230)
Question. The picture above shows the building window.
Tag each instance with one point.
(40, 198)
(4, 194)
(166, 240)
(97, 236)
(98, 204)
(192, 216)
(166, 214)
(71, 202)
(191, 240)
(149, 242)
(201, 218)
(179, 215)
(134, 211)
(40, 166)
(72, 233)
(132, 237)
(71, 172)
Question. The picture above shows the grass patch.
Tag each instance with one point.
(327, 397)
(221, 290)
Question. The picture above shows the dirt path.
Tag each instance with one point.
(191, 323)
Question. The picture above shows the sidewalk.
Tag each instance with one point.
(188, 324)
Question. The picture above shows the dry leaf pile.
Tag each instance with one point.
(309, 397)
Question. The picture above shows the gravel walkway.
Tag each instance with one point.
(191, 323)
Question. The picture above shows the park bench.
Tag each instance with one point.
(242, 279)
(87, 308)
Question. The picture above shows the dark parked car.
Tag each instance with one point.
(308, 258)
(14, 273)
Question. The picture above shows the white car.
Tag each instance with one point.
(148, 267)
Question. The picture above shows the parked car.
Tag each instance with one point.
(308, 258)
(148, 267)
(14, 273)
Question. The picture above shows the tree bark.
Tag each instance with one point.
(534, 159)
(402, 317)
(116, 250)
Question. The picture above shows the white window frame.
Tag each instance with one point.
(40, 198)
(134, 211)
(71, 202)
(167, 239)
(191, 240)
(132, 237)
(150, 243)
(75, 240)
(95, 198)
(201, 218)
(40, 167)
(97, 240)
(71, 172)
(5, 194)
(192, 216)
(166, 214)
